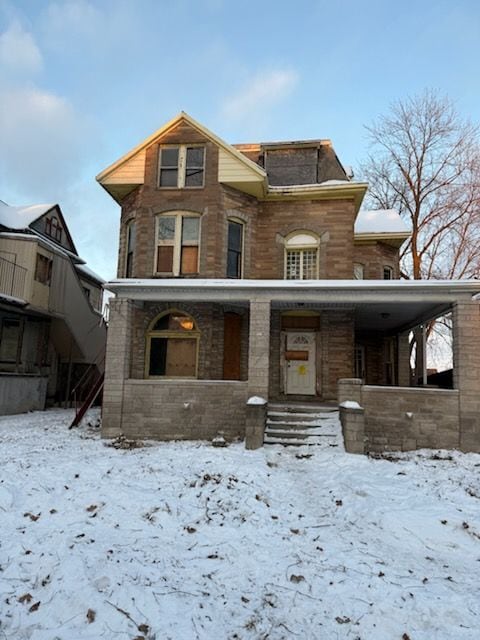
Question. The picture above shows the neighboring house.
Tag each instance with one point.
(51, 324)
(250, 270)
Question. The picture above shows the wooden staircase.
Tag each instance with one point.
(91, 395)
(302, 424)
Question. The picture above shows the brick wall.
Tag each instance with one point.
(402, 418)
(331, 220)
(184, 409)
(374, 256)
(210, 323)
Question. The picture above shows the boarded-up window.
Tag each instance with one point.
(172, 346)
(9, 339)
(178, 237)
(43, 269)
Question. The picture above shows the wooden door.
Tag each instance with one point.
(232, 346)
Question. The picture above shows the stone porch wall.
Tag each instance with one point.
(183, 409)
(399, 418)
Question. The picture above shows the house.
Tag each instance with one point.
(52, 331)
(251, 271)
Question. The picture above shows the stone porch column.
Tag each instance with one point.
(403, 349)
(259, 348)
(466, 371)
(117, 365)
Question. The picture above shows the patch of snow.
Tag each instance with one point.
(88, 272)
(181, 540)
(350, 404)
(21, 217)
(256, 400)
(380, 221)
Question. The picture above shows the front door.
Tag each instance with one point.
(300, 363)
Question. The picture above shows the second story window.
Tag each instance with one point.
(43, 269)
(301, 257)
(131, 233)
(358, 271)
(178, 240)
(53, 228)
(181, 167)
(235, 249)
(387, 273)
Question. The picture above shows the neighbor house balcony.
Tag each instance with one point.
(12, 279)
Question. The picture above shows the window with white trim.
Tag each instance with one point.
(178, 242)
(181, 167)
(358, 271)
(235, 249)
(301, 257)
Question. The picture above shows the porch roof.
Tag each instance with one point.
(384, 305)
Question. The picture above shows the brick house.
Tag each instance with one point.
(250, 270)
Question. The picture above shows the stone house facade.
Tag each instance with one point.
(250, 270)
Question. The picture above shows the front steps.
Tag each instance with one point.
(302, 424)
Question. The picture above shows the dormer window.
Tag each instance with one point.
(181, 167)
(53, 228)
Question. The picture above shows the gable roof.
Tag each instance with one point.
(185, 117)
(22, 218)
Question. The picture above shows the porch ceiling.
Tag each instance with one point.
(380, 305)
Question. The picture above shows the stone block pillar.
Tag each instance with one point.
(117, 365)
(255, 422)
(350, 389)
(466, 371)
(403, 350)
(259, 348)
(353, 429)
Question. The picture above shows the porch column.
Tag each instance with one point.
(117, 364)
(259, 348)
(466, 371)
(403, 350)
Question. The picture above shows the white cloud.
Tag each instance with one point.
(259, 94)
(43, 141)
(18, 51)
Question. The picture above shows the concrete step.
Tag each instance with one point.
(285, 407)
(276, 424)
(283, 416)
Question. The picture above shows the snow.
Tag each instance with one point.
(256, 400)
(88, 272)
(380, 221)
(350, 404)
(198, 542)
(21, 217)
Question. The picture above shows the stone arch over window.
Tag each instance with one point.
(172, 341)
(302, 256)
(177, 241)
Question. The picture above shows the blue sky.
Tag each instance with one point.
(82, 81)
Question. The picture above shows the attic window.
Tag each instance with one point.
(53, 228)
(181, 167)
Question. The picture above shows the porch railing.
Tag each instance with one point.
(12, 278)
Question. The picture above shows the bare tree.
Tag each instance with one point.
(425, 162)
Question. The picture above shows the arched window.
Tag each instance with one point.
(178, 239)
(301, 256)
(172, 346)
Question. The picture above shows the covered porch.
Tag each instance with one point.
(295, 339)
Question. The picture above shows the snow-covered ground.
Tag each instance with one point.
(185, 541)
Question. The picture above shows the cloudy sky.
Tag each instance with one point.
(83, 81)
